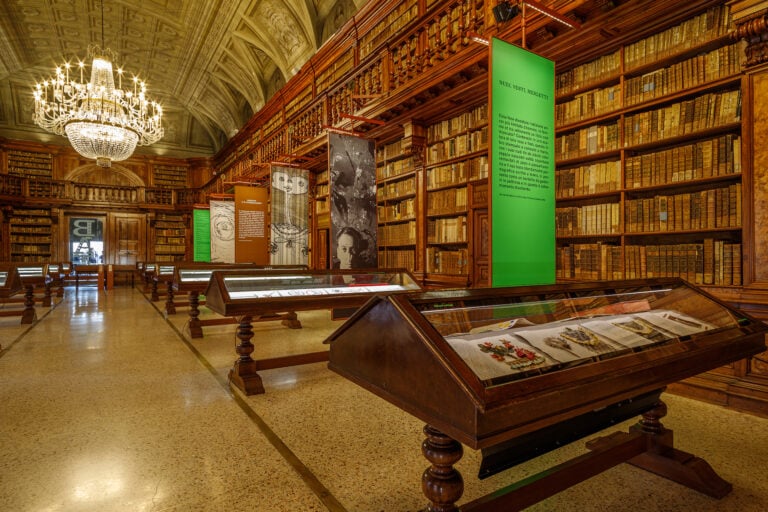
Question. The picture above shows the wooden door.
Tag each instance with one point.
(128, 236)
(481, 248)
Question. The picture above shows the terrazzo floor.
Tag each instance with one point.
(106, 405)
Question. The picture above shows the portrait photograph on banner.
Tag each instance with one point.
(352, 165)
(289, 226)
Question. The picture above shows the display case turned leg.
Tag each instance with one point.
(195, 328)
(243, 375)
(170, 306)
(441, 483)
(47, 296)
(663, 459)
(29, 315)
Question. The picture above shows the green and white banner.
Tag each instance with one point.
(522, 105)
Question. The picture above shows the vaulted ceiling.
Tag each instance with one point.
(210, 63)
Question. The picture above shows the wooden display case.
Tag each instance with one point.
(10, 281)
(10, 285)
(253, 294)
(516, 372)
(193, 278)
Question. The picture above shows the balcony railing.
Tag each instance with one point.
(68, 192)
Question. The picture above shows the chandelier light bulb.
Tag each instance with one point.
(100, 120)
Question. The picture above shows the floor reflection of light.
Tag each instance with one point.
(96, 482)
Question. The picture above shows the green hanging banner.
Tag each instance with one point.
(522, 199)
(201, 235)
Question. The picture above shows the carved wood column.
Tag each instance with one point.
(751, 24)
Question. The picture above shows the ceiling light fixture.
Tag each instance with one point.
(100, 120)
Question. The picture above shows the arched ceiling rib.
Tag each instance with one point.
(210, 63)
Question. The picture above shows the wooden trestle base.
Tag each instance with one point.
(647, 445)
(290, 319)
(244, 374)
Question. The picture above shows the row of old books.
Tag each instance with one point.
(690, 116)
(709, 262)
(397, 234)
(395, 168)
(468, 120)
(713, 262)
(394, 189)
(592, 262)
(712, 24)
(588, 179)
(587, 141)
(403, 210)
(706, 209)
(604, 67)
(588, 104)
(448, 230)
(594, 219)
(720, 63)
(447, 201)
(457, 146)
(450, 174)
(443, 261)
(704, 159)
(397, 258)
(395, 20)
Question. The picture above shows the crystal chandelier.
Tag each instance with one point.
(100, 120)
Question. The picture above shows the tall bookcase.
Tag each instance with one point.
(397, 205)
(456, 156)
(648, 150)
(31, 235)
(170, 237)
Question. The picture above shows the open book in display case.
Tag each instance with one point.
(516, 372)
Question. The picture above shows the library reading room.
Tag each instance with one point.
(486, 255)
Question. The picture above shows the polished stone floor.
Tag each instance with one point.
(107, 406)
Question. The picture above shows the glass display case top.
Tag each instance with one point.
(268, 285)
(31, 270)
(502, 342)
(3, 277)
(165, 270)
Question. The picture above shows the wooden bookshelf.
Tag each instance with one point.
(456, 154)
(170, 176)
(648, 152)
(398, 205)
(30, 164)
(170, 237)
(31, 235)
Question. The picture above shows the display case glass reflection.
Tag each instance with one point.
(314, 285)
(513, 340)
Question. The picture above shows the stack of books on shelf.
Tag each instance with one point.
(594, 261)
(703, 159)
(398, 234)
(710, 262)
(690, 116)
(582, 76)
(448, 201)
(588, 179)
(595, 219)
(712, 24)
(442, 261)
(587, 141)
(447, 231)
(706, 209)
(720, 63)
(403, 210)
(397, 258)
